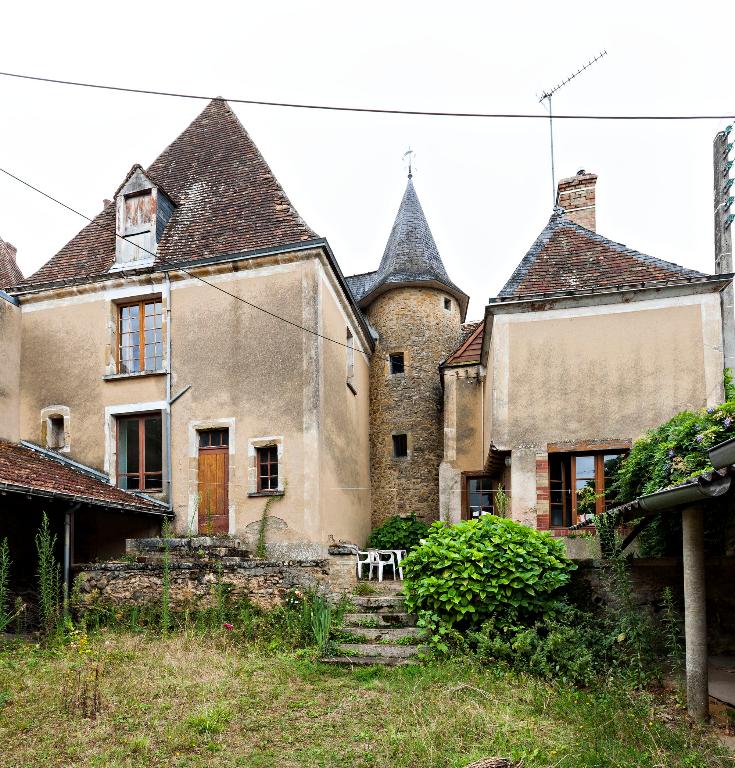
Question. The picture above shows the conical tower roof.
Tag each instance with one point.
(410, 257)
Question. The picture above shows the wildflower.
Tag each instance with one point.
(710, 410)
(699, 438)
(229, 627)
(727, 421)
(671, 453)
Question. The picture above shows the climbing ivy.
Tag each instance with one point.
(670, 454)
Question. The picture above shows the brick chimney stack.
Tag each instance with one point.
(576, 196)
(10, 274)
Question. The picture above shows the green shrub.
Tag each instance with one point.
(398, 533)
(491, 568)
(668, 455)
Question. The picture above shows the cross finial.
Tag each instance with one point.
(409, 153)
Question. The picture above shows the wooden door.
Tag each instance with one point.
(213, 481)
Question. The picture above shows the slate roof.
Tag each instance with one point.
(469, 349)
(10, 273)
(227, 201)
(410, 257)
(35, 471)
(568, 257)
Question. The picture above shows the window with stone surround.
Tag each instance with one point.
(448, 304)
(579, 485)
(267, 462)
(140, 336)
(397, 363)
(140, 452)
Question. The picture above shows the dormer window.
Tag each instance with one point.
(142, 212)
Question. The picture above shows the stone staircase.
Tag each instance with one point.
(380, 622)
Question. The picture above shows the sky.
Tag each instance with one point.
(485, 185)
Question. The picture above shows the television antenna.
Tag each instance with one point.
(547, 96)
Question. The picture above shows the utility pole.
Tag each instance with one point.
(724, 197)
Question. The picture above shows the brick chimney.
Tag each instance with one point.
(10, 274)
(576, 196)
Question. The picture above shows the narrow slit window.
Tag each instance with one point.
(448, 304)
(397, 363)
(400, 446)
(350, 356)
(55, 432)
(267, 468)
(140, 334)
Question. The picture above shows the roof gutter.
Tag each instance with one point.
(723, 454)
(691, 493)
(90, 500)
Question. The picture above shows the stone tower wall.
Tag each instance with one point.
(415, 322)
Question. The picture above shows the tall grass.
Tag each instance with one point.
(49, 579)
(6, 615)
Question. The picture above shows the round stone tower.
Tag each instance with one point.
(417, 313)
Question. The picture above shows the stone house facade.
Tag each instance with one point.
(197, 346)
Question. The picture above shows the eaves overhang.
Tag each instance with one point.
(389, 285)
(608, 295)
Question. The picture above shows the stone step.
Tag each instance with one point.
(394, 619)
(368, 661)
(378, 650)
(383, 633)
(379, 603)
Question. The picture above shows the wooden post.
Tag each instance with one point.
(695, 612)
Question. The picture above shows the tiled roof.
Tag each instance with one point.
(227, 201)
(360, 284)
(568, 257)
(470, 348)
(38, 472)
(10, 274)
(410, 256)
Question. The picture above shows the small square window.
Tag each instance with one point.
(400, 446)
(397, 363)
(448, 304)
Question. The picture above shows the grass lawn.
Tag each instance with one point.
(193, 701)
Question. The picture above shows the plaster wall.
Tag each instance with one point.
(596, 373)
(10, 346)
(262, 379)
(345, 429)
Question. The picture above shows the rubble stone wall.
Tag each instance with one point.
(195, 565)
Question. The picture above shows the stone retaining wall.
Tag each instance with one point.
(194, 568)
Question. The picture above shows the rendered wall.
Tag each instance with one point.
(597, 373)
(10, 346)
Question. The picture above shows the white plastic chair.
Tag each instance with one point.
(400, 554)
(363, 558)
(379, 559)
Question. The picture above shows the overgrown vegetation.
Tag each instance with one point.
(399, 533)
(260, 548)
(486, 569)
(670, 454)
(200, 701)
(6, 615)
(49, 579)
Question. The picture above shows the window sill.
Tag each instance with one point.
(266, 493)
(136, 375)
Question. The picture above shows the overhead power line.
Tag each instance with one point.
(367, 110)
(182, 269)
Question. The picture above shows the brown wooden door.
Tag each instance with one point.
(213, 477)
